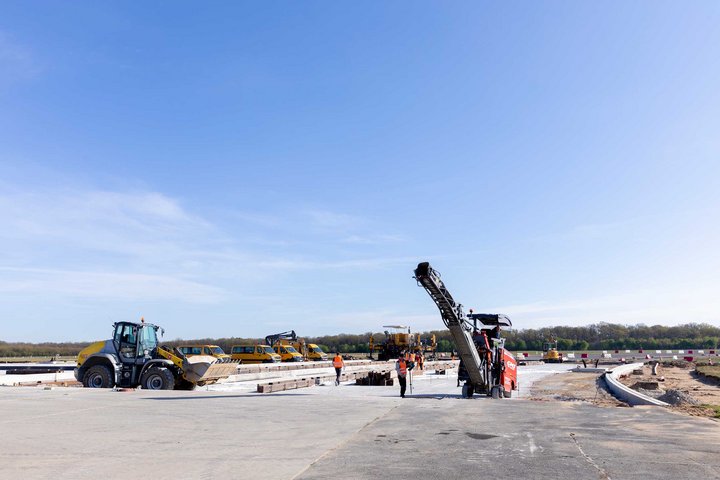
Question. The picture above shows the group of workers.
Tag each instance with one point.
(404, 364)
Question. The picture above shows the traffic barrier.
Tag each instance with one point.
(688, 359)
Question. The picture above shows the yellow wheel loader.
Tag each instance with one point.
(134, 358)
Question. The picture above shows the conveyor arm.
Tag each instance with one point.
(453, 317)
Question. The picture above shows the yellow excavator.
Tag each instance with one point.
(134, 358)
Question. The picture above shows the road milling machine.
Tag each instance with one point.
(486, 367)
(134, 358)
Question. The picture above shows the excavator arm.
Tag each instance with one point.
(289, 335)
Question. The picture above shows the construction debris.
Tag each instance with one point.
(382, 378)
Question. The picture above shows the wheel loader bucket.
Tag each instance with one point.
(203, 369)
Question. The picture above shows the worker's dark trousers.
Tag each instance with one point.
(337, 373)
(403, 385)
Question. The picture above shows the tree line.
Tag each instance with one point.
(600, 336)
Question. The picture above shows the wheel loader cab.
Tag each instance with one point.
(134, 341)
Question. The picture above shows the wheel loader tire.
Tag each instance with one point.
(495, 392)
(507, 393)
(98, 376)
(157, 378)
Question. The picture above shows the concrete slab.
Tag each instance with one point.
(524, 439)
(347, 431)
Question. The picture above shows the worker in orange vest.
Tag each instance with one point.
(402, 367)
(338, 364)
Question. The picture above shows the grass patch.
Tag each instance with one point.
(714, 408)
(712, 371)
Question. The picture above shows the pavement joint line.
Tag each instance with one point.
(603, 474)
(344, 442)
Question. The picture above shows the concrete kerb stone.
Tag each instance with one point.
(588, 370)
(626, 393)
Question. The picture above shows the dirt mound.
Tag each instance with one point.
(677, 398)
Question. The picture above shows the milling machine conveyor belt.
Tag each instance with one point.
(452, 315)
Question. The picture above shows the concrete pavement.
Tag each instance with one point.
(342, 432)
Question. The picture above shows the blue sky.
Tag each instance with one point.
(243, 168)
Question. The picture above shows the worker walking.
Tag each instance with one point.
(402, 366)
(338, 364)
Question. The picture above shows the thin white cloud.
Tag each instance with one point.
(333, 220)
(364, 321)
(144, 244)
(373, 239)
(663, 305)
(102, 285)
(16, 61)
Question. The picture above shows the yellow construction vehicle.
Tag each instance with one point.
(134, 358)
(427, 347)
(202, 349)
(551, 353)
(288, 353)
(254, 354)
(397, 340)
(308, 351)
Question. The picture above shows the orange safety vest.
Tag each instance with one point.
(338, 362)
(403, 367)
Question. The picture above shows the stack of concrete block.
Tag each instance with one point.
(382, 378)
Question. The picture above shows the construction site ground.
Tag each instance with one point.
(574, 387)
(698, 393)
(347, 431)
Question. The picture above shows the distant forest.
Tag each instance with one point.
(601, 336)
